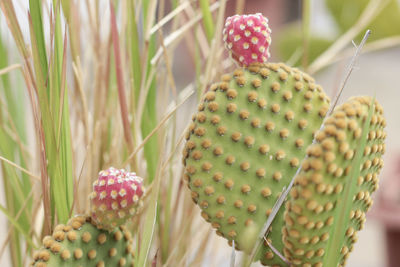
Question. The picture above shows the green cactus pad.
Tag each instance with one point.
(245, 144)
(80, 243)
(328, 202)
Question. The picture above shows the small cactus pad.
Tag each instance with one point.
(247, 38)
(115, 198)
(80, 243)
(328, 202)
(246, 143)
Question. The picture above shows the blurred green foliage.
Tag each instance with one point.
(290, 45)
(345, 14)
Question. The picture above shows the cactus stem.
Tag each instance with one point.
(280, 200)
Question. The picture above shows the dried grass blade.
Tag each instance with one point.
(372, 10)
(160, 124)
(120, 80)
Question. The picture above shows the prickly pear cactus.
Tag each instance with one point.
(332, 193)
(246, 143)
(247, 38)
(100, 239)
(116, 196)
(81, 243)
(248, 138)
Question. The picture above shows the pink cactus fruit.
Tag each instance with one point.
(116, 197)
(247, 38)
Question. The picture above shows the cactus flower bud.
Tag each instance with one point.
(247, 38)
(115, 198)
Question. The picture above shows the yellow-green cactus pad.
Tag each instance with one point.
(245, 144)
(328, 202)
(80, 243)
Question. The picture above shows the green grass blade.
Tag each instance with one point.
(35, 9)
(14, 183)
(17, 226)
(13, 118)
(60, 101)
(12, 21)
(207, 19)
(66, 8)
(149, 118)
(134, 43)
(150, 221)
(49, 111)
(8, 147)
(306, 31)
(120, 81)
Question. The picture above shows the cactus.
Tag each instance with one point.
(100, 239)
(115, 197)
(81, 243)
(332, 193)
(247, 38)
(245, 144)
(250, 135)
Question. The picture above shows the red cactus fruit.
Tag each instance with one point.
(247, 38)
(116, 197)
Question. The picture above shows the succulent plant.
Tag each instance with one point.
(247, 38)
(100, 239)
(253, 131)
(116, 197)
(246, 143)
(332, 193)
(81, 243)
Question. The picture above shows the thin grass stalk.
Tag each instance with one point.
(15, 183)
(207, 19)
(150, 219)
(120, 81)
(15, 248)
(59, 199)
(149, 117)
(16, 121)
(212, 58)
(11, 230)
(372, 10)
(35, 10)
(20, 168)
(135, 59)
(154, 131)
(61, 111)
(42, 158)
(306, 18)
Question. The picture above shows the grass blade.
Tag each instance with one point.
(149, 117)
(61, 117)
(120, 81)
(35, 10)
(150, 221)
(207, 19)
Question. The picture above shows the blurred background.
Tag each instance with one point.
(314, 35)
